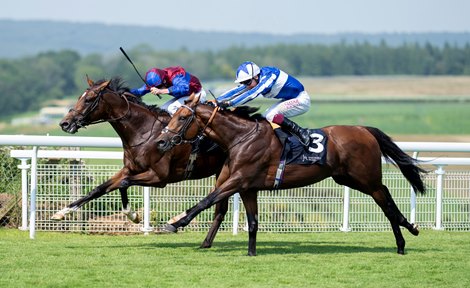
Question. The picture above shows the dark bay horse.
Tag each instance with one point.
(353, 159)
(138, 125)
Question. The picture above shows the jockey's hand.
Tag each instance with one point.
(156, 91)
(224, 104)
(212, 103)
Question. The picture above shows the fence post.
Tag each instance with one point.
(346, 204)
(236, 213)
(413, 198)
(146, 229)
(440, 173)
(34, 183)
(24, 193)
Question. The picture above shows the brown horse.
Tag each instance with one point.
(353, 159)
(138, 125)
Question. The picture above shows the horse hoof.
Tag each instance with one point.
(136, 220)
(415, 230)
(133, 217)
(58, 216)
(205, 245)
(401, 252)
(168, 228)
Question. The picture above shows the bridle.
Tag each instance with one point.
(178, 137)
(82, 122)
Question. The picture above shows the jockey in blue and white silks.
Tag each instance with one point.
(270, 82)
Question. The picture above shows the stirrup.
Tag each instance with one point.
(304, 137)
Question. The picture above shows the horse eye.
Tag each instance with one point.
(182, 118)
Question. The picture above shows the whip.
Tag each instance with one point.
(130, 61)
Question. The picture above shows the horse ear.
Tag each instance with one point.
(90, 82)
(194, 98)
(104, 85)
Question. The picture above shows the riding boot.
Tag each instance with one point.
(289, 125)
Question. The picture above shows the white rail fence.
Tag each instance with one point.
(324, 206)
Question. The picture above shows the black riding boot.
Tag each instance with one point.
(289, 125)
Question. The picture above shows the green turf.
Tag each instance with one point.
(433, 259)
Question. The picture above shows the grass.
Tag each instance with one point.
(434, 259)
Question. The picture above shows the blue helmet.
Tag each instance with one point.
(153, 79)
(247, 70)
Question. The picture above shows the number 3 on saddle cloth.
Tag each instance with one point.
(293, 152)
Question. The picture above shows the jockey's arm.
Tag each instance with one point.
(225, 100)
(180, 86)
(231, 93)
(262, 88)
(140, 91)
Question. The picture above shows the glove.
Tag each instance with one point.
(224, 104)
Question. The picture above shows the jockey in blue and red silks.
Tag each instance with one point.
(174, 81)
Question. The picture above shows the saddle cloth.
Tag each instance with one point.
(295, 153)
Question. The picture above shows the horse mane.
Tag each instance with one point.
(248, 112)
(245, 112)
(117, 84)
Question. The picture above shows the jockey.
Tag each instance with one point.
(270, 82)
(174, 81)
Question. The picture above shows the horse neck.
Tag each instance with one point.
(226, 128)
(137, 126)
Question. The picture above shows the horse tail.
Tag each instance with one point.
(406, 164)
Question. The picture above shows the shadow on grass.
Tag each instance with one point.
(282, 247)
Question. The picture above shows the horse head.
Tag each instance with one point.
(92, 107)
(183, 127)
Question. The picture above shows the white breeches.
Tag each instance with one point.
(175, 103)
(290, 108)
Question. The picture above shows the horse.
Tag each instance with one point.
(138, 125)
(353, 159)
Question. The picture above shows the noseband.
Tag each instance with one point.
(178, 138)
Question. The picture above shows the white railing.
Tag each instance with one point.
(35, 153)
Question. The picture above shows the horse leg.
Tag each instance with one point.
(221, 209)
(383, 198)
(126, 208)
(95, 193)
(402, 221)
(117, 181)
(220, 193)
(250, 201)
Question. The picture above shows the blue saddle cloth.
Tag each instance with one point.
(295, 153)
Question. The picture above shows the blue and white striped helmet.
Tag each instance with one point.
(247, 70)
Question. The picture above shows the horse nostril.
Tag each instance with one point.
(64, 124)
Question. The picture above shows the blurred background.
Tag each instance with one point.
(401, 66)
